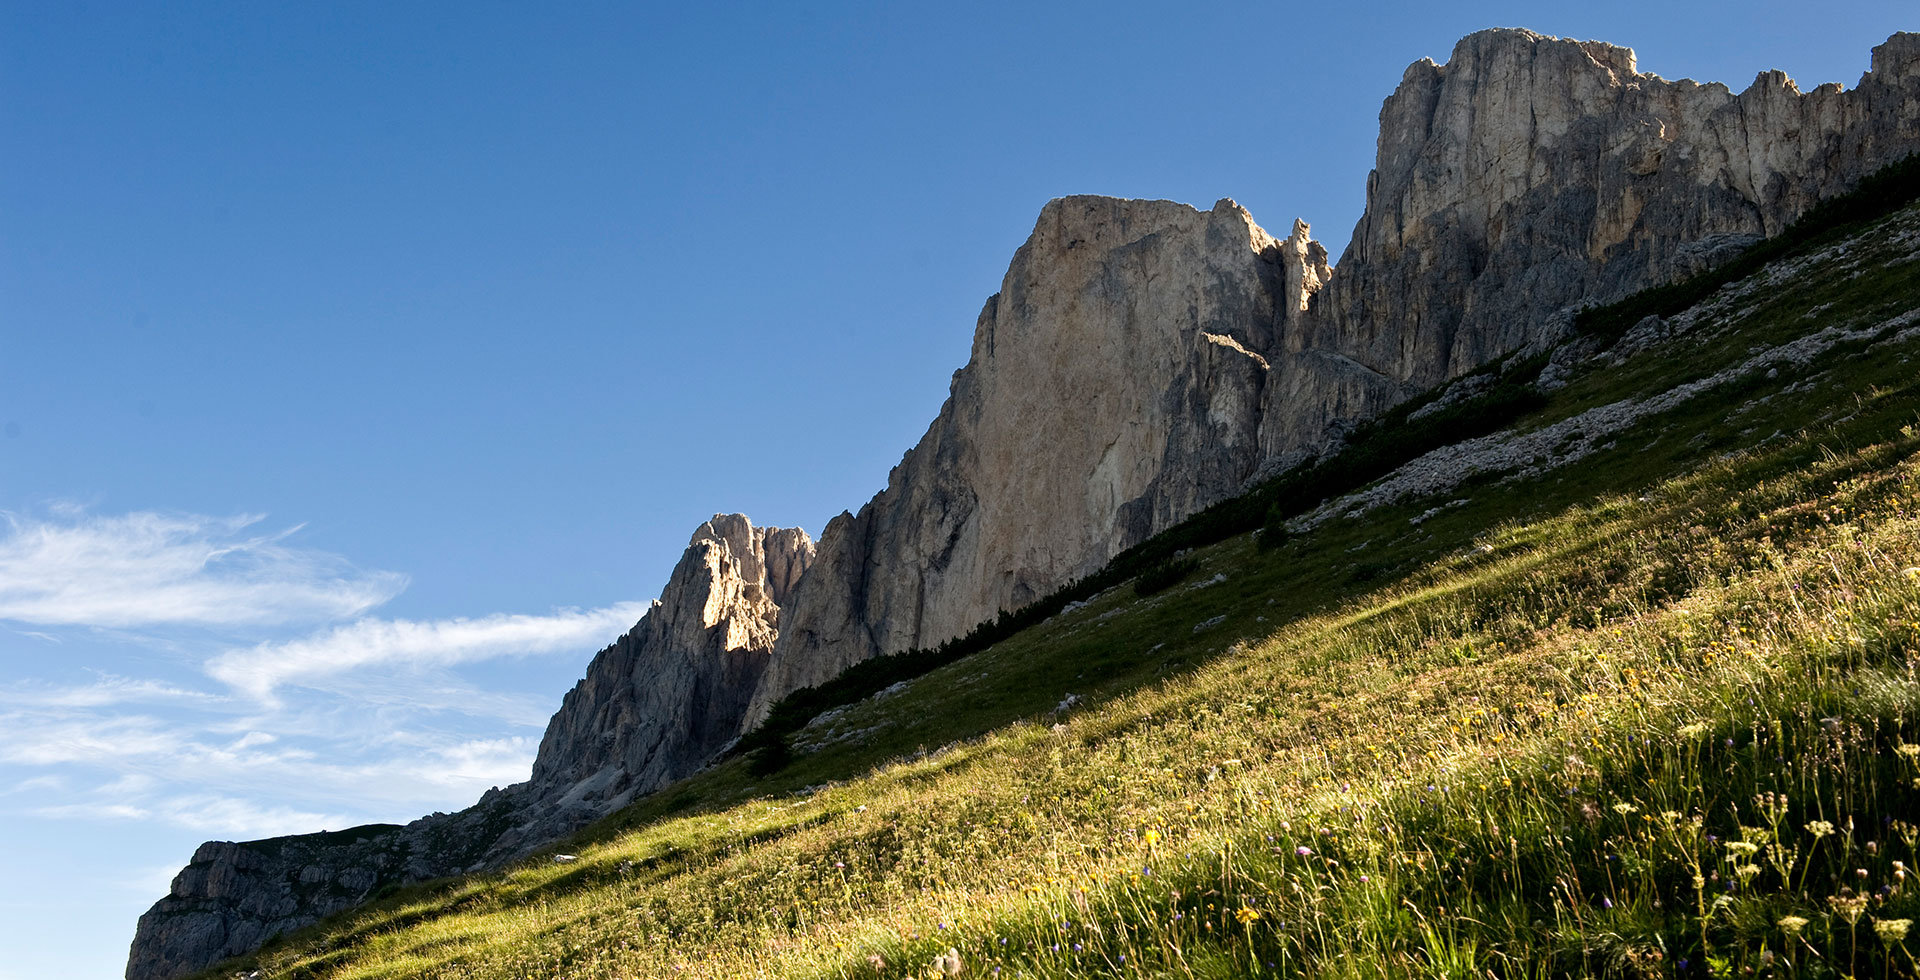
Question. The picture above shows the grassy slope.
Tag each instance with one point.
(1528, 735)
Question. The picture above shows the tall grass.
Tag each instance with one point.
(1562, 752)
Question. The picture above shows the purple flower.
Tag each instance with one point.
(1606, 902)
(1303, 851)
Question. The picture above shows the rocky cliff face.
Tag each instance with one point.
(1531, 174)
(1141, 361)
(654, 706)
(1114, 388)
(1156, 357)
(672, 693)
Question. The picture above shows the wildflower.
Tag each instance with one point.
(1891, 930)
(1623, 808)
(1820, 828)
(1152, 837)
(1743, 848)
(1303, 851)
(1247, 916)
(1849, 907)
(1792, 924)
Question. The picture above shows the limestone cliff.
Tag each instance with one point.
(666, 697)
(1143, 359)
(654, 706)
(1531, 174)
(1114, 388)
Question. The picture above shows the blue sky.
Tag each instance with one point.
(364, 367)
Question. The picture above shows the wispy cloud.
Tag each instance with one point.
(208, 815)
(38, 741)
(259, 670)
(109, 689)
(152, 569)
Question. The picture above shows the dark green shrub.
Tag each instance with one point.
(1164, 576)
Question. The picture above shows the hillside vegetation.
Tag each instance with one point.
(1645, 708)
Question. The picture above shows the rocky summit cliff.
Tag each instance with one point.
(1142, 360)
(1114, 388)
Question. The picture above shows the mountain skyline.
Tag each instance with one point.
(263, 568)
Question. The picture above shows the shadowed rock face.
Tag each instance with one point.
(1531, 174)
(1142, 360)
(654, 706)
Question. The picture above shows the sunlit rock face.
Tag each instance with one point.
(666, 697)
(1114, 388)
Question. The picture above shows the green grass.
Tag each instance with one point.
(1510, 736)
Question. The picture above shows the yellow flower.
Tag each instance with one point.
(1152, 837)
(1246, 915)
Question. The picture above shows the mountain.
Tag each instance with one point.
(1142, 361)
(1625, 688)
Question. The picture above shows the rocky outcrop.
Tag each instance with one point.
(672, 693)
(1530, 174)
(656, 705)
(1114, 387)
(233, 897)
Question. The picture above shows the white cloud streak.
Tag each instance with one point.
(108, 690)
(257, 671)
(213, 815)
(151, 569)
(37, 741)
